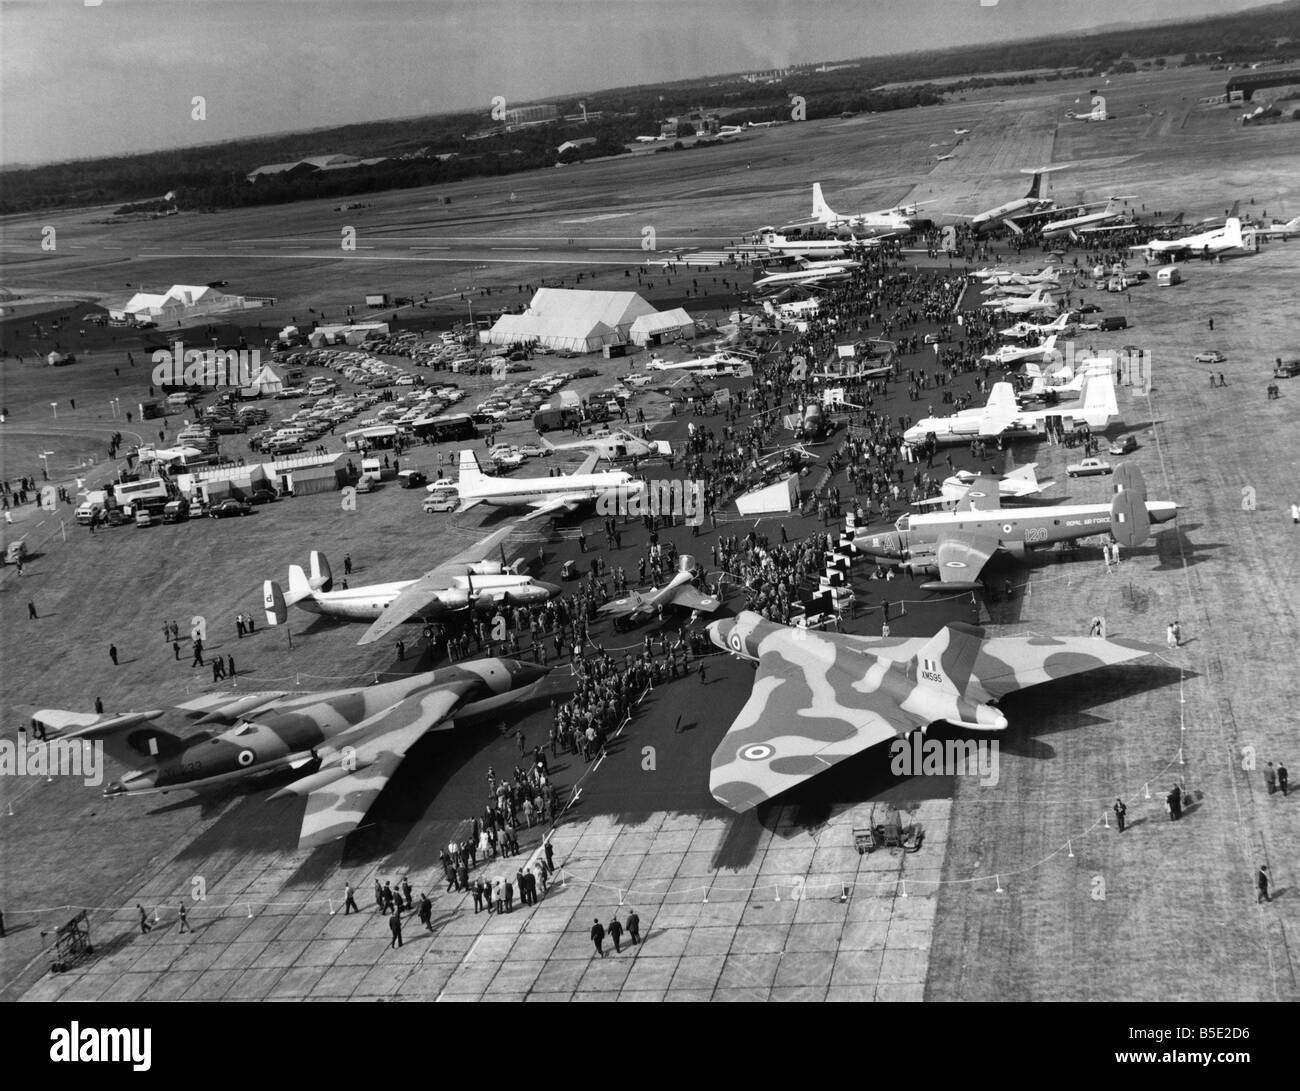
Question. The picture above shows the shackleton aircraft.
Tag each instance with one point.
(461, 583)
(1015, 485)
(956, 545)
(615, 444)
(901, 220)
(1002, 415)
(679, 591)
(543, 494)
(353, 739)
(1217, 240)
(821, 697)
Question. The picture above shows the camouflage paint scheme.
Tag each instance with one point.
(357, 737)
(676, 592)
(819, 698)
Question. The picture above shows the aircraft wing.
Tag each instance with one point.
(377, 746)
(692, 599)
(481, 550)
(588, 463)
(410, 600)
(624, 606)
(962, 555)
(811, 706)
(553, 504)
(981, 495)
(999, 411)
(1005, 664)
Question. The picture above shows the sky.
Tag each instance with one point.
(83, 78)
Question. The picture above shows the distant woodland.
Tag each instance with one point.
(446, 148)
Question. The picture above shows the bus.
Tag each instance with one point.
(376, 437)
(456, 426)
(128, 493)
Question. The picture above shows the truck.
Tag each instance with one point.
(377, 299)
(554, 417)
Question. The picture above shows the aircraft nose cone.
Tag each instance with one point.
(551, 589)
(134, 782)
(525, 674)
(718, 631)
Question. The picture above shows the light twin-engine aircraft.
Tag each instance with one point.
(355, 738)
(679, 591)
(956, 545)
(543, 494)
(821, 697)
(1024, 329)
(1002, 415)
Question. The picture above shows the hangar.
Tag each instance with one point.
(1250, 82)
(179, 302)
(571, 319)
(655, 329)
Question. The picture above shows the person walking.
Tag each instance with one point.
(32, 615)
(395, 927)
(615, 934)
(426, 911)
(145, 926)
(634, 927)
(185, 919)
(1282, 777)
(112, 653)
(1261, 882)
(1120, 812)
(597, 936)
(380, 904)
(349, 900)
(1270, 778)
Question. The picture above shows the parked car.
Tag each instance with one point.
(586, 373)
(412, 479)
(1089, 467)
(1287, 370)
(262, 496)
(1124, 444)
(1210, 356)
(225, 509)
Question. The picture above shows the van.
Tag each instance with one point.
(1113, 322)
(1168, 276)
(1124, 444)
(175, 511)
(411, 479)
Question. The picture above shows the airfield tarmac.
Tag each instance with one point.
(1020, 890)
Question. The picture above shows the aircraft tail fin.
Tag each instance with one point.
(821, 210)
(470, 471)
(273, 601)
(1035, 186)
(946, 660)
(126, 737)
(322, 579)
(1232, 234)
(300, 586)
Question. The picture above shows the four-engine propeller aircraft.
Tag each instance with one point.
(679, 591)
(958, 544)
(1217, 240)
(821, 697)
(1007, 214)
(901, 220)
(543, 494)
(355, 738)
(1111, 210)
(1002, 415)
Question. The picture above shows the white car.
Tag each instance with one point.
(532, 450)
(509, 460)
(1089, 467)
(636, 380)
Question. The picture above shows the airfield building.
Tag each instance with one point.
(661, 327)
(1249, 82)
(178, 303)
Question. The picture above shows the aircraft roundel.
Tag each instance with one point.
(734, 641)
(954, 564)
(246, 757)
(1006, 528)
(428, 632)
(758, 752)
(977, 495)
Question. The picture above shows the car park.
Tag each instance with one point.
(1089, 467)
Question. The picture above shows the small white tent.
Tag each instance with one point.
(671, 325)
(265, 384)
